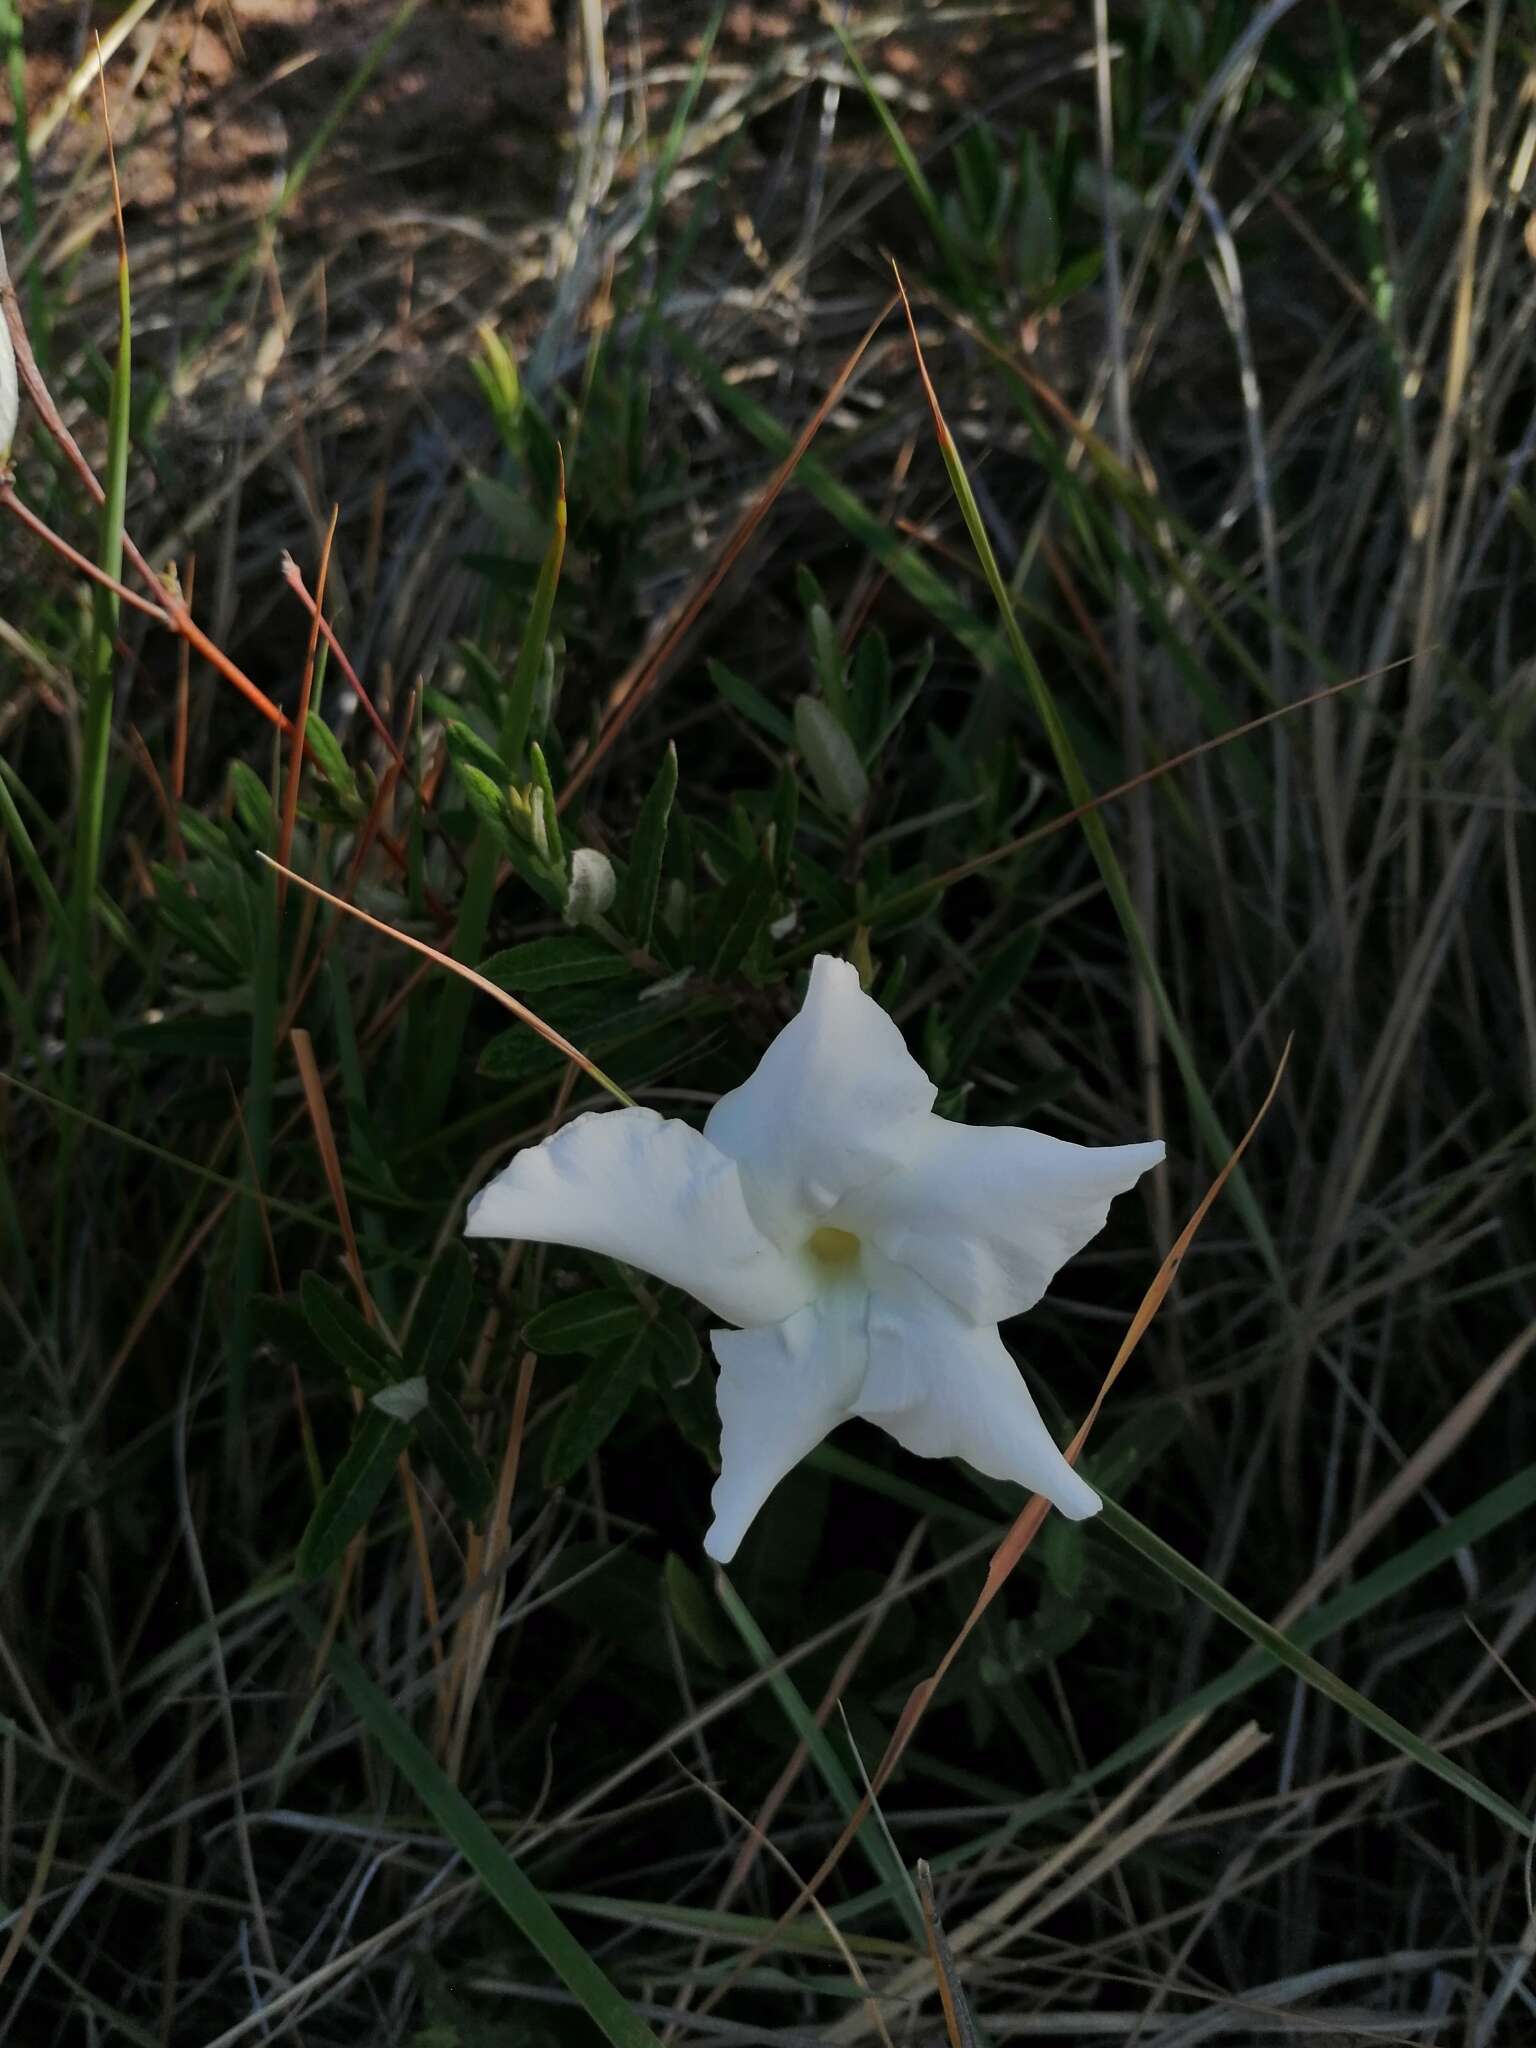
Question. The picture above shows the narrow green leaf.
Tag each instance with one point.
(355, 1345)
(831, 757)
(739, 913)
(446, 1438)
(696, 1619)
(675, 1347)
(488, 801)
(637, 903)
(287, 1329)
(541, 964)
(596, 1408)
(253, 803)
(530, 656)
(353, 1491)
(438, 1323)
(333, 764)
(465, 745)
(829, 665)
(589, 1321)
(742, 696)
(522, 1903)
(542, 783)
(991, 989)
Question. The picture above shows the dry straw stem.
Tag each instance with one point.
(645, 675)
(293, 576)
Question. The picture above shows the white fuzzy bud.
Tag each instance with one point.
(592, 886)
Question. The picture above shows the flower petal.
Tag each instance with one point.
(780, 1391)
(987, 1215)
(946, 1388)
(835, 1101)
(655, 1193)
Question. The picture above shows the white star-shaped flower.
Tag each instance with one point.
(865, 1248)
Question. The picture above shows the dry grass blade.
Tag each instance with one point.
(330, 1159)
(958, 2023)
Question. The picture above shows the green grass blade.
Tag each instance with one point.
(923, 194)
(518, 1898)
(1096, 833)
(885, 1864)
(1287, 1652)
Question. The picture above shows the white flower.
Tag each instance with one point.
(865, 1248)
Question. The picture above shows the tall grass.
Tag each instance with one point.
(360, 1673)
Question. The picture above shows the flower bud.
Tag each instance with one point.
(592, 887)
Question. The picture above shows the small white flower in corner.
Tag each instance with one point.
(865, 1248)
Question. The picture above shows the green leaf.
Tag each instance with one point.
(831, 757)
(694, 1413)
(555, 963)
(675, 1347)
(590, 1321)
(287, 1329)
(354, 1344)
(253, 803)
(991, 989)
(323, 745)
(522, 1903)
(637, 903)
(740, 912)
(829, 664)
(446, 1438)
(531, 655)
(542, 783)
(465, 746)
(751, 703)
(693, 1612)
(438, 1322)
(605, 1390)
(487, 800)
(1037, 236)
(353, 1491)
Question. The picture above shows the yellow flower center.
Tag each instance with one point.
(831, 1246)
